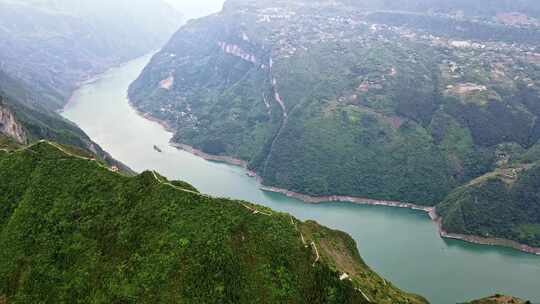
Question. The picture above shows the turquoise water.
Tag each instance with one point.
(402, 245)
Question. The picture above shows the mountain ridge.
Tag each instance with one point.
(317, 250)
(54, 262)
(326, 99)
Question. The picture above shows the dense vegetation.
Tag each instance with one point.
(8, 143)
(503, 203)
(364, 111)
(324, 99)
(72, 231)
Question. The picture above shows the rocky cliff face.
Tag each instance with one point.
(235, 50)
(10, 126)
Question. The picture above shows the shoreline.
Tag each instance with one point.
(474, 239)
(431, 211)
(94, 76)
(81, 83)
(149, 117)
(222, 159)
(89, 78)
(346, 199)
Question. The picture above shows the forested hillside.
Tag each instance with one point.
(73, 231)
(321, 99)
(503, 203)
(343, 98)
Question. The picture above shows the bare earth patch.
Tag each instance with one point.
(464, 89)
(338, 254)
(167, 83)
(533, 58)
(514, 19)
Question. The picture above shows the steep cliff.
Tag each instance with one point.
(10, 126)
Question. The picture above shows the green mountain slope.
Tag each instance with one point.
(72, 231)
(504, 203)
(328, 98)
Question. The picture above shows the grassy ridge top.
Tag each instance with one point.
(72, 231)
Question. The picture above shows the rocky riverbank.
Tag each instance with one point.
(224, 159)
(350, 199)
(431, 211)
(481, 240)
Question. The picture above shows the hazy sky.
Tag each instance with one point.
(197, 8)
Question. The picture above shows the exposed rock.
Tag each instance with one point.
(10, 126)
(235, 50)
(167, 83)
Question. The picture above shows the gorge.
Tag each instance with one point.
(395, 242)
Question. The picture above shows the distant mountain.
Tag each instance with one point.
(486, 8)
(354, 98)
(479, 8)
(196, 9)
(73, 231)
(52, 45)
(47, 47)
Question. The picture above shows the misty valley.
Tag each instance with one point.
(254, 151)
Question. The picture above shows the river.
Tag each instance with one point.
(402, 245)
